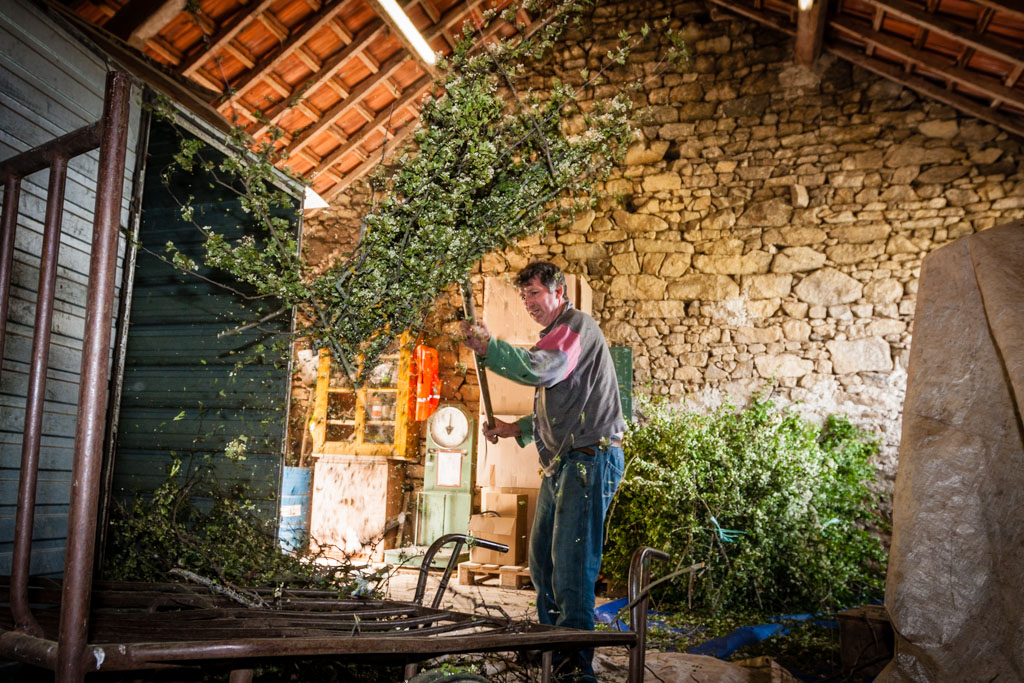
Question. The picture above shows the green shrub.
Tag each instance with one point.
(191, 524)
(774, 505)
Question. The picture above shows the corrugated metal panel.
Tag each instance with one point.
(50, 84)
(187, 392)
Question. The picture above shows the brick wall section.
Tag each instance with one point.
(771, 222)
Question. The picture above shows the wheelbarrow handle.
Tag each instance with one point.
(428, 560)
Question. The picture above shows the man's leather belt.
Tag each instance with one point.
(592, 450)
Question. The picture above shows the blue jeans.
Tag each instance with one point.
(566, 541)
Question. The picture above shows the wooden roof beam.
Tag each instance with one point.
(979, 41)
(1012, 8)
(273, 59)
(968, 106)
(227, 32)
(341, 108)
(371, 162)
(969, 79)
(411, 94)
(398, 33)
(330, 67)
(810, 31)
(139, 20)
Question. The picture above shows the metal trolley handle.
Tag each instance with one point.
(428, 560)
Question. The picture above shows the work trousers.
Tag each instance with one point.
(566, 542)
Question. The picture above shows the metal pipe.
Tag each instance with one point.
(428, 559)
(87, 466)
(8, 226)
(70, 145)
(34, 402)
(469, 308)
(639, 577)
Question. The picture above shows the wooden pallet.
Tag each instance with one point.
(509, 576)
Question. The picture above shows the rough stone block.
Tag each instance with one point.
(752, 262)
(767, 286)
(703, 287)
(828, 287)
(784, 365)
(797, 259)
(871, 354)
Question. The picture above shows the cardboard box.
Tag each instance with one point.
(505, 464)
(510, 502)
(497, 529)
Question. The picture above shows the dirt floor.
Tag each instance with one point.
(611, 664)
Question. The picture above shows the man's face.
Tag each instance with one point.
(541, 303)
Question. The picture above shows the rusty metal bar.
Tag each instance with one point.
(639, 577)
(87, 465)
(80, 141)
(8, 226)
(34, 403)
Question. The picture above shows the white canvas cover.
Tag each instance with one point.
(955, 586)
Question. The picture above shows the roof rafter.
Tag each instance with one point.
(389, 148)
(929, 89)
(330, 67)
(959, 75)
(979, 41)
(343, 107)
(272, 59)
(410, 95)
(227, 32)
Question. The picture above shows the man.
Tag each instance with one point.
(577, 424)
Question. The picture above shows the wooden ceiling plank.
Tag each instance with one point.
(274, 25)
(331, 65)
(365, 111)
(430, 10)
(759, 17)
(810, 31)
(341, 31)
(927, 60)
(338, 87)
(982, 42)
(448, 21)
(1011, 8)
(273, 59)
(372, 64)
(368, 165)
(139, 20)
(206, 80)
(984, 19)
(400, 35)
(308, 58)
(1011, 80)
(240, 53)
(411, 94)
(227, 32)
(966, 105)
(337, 111)
(164, 49)
(275, 82)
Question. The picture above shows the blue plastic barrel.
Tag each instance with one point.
(296, 485)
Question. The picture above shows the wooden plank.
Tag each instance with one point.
(330, 67)
(272, 59)
(983, 42)
(228, 31)
(414, 91)
(810, 30)
(970, 79)
(964, 104)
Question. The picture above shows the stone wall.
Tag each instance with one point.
(769, 225)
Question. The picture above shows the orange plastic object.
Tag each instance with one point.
(426, 383)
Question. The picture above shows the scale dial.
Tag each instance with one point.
(448, 426)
